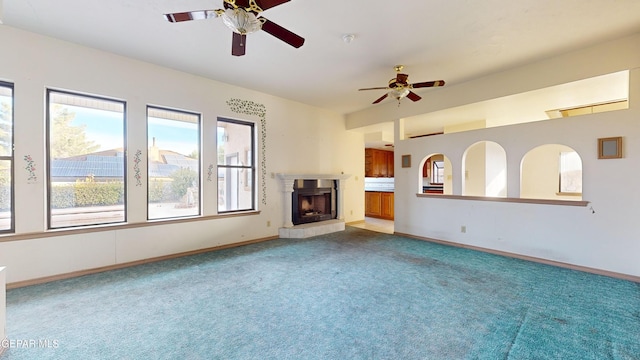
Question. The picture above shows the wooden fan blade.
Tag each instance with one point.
(413, 96)
(239, 3)
(428, 84)
(239, 43)
(375, 88)
(268, 4)
(381, 98)
(282, 33)
(190, 15)
(402, 78)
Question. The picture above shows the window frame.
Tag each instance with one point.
(200, 178)
(436, 171)
(11, 159)
(48, 119)
(561, 190)
(252, 168)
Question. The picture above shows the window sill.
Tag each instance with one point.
(568, 194)
(120, 226)
(508, 200)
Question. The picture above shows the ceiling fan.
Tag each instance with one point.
(241, 16)
(399, 87)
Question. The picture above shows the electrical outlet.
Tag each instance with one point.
(268, 223)
(463, 229)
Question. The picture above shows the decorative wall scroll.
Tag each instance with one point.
(136, 167)
(209, 172)
(246, 107)
(31, 169)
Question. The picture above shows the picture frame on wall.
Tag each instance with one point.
(610, 148)
(406, 161)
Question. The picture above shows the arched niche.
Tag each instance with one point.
(435, 175)
(484, 170)
(551, 171)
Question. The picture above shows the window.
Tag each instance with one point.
(86, 162)
(6, 157)
(570, 173)
(437, 172)
(174, 163)
(236, 166)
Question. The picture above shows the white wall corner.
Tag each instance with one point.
(3, 306)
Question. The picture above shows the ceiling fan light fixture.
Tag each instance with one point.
(241, 21)
(399, 93)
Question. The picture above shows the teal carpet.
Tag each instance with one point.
(350, 295)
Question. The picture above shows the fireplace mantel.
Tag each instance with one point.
(287, 190)
(313, 176)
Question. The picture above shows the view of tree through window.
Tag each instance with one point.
(6, 157)
(86, 160)
(174, 163)
(236, 166)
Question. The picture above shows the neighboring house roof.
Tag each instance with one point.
(98, 166)
(109, 164)
(171, 161)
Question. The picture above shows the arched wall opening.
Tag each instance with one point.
(484, 169)
(435, 175)
(551, 171)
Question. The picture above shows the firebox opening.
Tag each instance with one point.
(314, 204)
(311, 203)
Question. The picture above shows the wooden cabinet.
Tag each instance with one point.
(378, 204)
(386, 205)
(378, 163)
(426, 169)
(372, 203)
(368, 163)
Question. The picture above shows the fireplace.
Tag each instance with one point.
(318, 200)
(313, 200)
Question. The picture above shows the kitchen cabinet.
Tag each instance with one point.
(389, 163)
(386, 205)
(372, 203)
(378, 204)
(378, 163)
(426, 169)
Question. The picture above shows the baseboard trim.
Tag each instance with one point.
(46, 279)
(528, 258)
(355, 222)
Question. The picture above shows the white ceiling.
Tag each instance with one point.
(453, 40)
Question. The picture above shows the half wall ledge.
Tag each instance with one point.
(582, 203)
